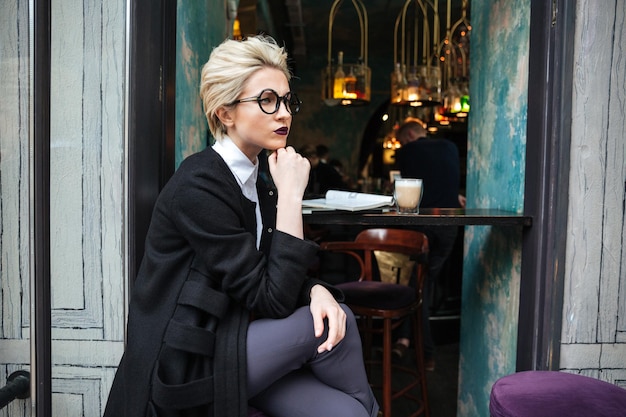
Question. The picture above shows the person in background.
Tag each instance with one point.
(323, 176)
(322, 153)
(338, 165)
(222, 313)
(436, 162)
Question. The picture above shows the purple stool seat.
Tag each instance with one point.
(551, 393)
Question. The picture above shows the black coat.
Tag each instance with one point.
(200, 280)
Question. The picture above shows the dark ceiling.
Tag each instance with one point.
(303, 27)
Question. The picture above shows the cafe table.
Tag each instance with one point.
(425, 217)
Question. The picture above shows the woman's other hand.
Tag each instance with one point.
(324, 306)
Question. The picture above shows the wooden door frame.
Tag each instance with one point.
(41, 323)
(546, 185)
(151, 115)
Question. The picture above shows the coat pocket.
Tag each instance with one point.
(183, 375)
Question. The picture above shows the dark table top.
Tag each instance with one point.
(431, 216)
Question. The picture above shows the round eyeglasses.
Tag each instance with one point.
(269, 101)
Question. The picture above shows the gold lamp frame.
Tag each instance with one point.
(454, 57)
(422, 86)
(361, 93)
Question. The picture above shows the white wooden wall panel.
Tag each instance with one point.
(613, 255)
(14, 196)
(617, 129)
(112, 191)
(594, 319)
(88, 319)
(87, 200)
(14, 166)
(588, 152)
(75, 218)
(75, 396)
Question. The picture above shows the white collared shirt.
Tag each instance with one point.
(246, 174)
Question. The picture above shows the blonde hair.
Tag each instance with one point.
(225, 74)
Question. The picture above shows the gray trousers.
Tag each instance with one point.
(288, 378)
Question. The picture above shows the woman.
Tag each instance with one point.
(222, 249)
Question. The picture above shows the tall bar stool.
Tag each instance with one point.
(552, 393)
(373, 301)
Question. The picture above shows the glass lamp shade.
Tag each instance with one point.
(465, 98)
(465, 103)
(348, 85)
(420, 86)
(452, 100)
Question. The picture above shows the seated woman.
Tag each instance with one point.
(222, 250)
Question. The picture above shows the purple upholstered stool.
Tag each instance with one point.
(551, 393)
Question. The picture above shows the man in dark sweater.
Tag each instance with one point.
(323, 176)
(436, 162)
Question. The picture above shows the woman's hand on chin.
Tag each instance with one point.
(290, 172)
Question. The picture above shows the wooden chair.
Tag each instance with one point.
(372, 301)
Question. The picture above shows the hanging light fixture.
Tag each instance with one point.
(347, 84)
(454, 55)
(416, 79)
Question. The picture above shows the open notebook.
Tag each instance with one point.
(348, 200)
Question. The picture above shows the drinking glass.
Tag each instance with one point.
(407, 194)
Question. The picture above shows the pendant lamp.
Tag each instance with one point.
(454, 56)
(347, 82)
(416, 78)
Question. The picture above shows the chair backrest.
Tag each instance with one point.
(408, 242)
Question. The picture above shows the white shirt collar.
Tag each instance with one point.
(243, 169)
(246, 174)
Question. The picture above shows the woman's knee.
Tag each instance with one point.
(352, 330)
(350, 319)
(306, 330)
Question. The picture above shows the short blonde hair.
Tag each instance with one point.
(225, 74)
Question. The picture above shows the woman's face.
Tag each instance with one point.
(249, 127)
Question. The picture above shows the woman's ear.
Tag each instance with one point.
(225, 116)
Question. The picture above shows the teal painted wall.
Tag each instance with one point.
(200, 26)
(495, 179)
